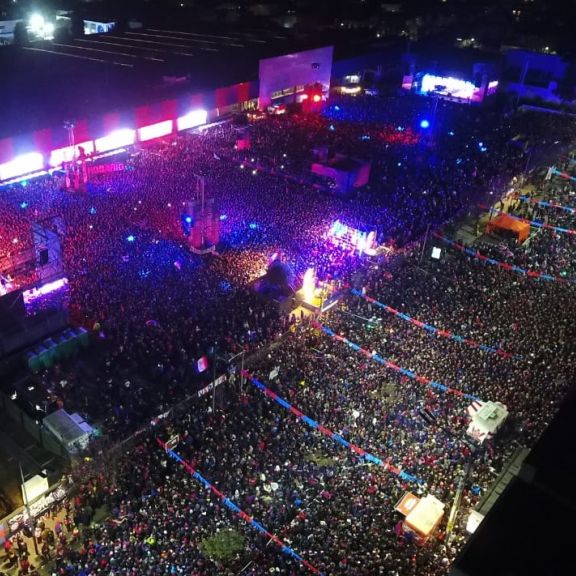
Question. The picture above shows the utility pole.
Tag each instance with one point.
(424, 242)
(26, 505)
(214, 360)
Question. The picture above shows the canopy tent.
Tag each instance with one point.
(503, 222)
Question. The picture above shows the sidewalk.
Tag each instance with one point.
(33, 558)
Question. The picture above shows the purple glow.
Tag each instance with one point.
(31, 295)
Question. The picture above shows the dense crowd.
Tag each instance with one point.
(155, 309)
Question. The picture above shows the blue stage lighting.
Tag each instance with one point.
(424, 124)
(131, 238)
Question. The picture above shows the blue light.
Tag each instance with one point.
(337, 108)
(131, 238)
(253, 225)
(92, 210)
(425, 124)
(188, 219)
(451, 133)
(24, 183)
(223, 217)
(400, 128)
(480, 144)
(24, 205)
(331, 128)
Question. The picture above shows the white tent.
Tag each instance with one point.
(486, 419)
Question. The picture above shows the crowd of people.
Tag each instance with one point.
(155, 309)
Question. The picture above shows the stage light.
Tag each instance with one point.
(188, 219)
(192, 119)
(223, 217)
(451, 133)
(36, 23)
(24, 164)
(131, 238)
(316, 98)
(155, 131)
(117, 139)
(309, 285)
(436, 253)
(92, 210)
(23, 205)
(253, 226)
(61, 155)
(29, 295)
(425, 124)
(49, 31)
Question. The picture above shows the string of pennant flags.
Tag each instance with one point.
(503, 265)
(234, 508)
(434, 330)
(552, 171)
(329, 433)
(533, 223)
(546, 204)
(392, 366)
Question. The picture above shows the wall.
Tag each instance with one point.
(45, 140)
(291, 70)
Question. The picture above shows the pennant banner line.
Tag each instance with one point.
(392, 366)
(231, 506)
(435, 330)
(504, 265)
(332, 435)
(545, 204)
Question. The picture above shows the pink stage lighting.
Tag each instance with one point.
(118, 139)
(448, 86)
(30, 295)
(25, 164)
(61, 155)
(155, 131)
(192, 119)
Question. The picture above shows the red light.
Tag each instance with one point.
(317, 98)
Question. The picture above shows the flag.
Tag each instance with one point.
(202, 364)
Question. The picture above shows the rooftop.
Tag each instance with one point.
(47, 83)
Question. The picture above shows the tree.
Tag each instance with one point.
(223, 546)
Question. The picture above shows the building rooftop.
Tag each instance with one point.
(46, 83)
